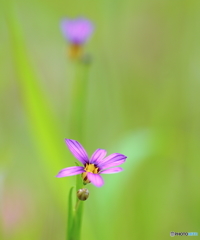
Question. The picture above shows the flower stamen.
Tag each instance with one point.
(75, 51)
(89, 168)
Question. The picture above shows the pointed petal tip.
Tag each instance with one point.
(70, 140)
(99, 185)
(122, 155)
(112, 170)
(67, 140)
(77, 150)
(70, 171)
(112, 160)
(58, 175)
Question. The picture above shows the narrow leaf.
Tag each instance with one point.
(70, 214)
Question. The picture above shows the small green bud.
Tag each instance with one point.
(86, 59)
(83, 194)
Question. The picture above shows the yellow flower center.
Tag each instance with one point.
(75, 51)
(89, 168)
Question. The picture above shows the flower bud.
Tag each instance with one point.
(83, 194)
(86, 59)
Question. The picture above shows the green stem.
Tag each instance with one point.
(70, 213)
(78, 99)
(77, 205)
(40, 116)
(79, 96)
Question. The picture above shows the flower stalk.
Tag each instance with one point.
(79, 93)
(75, 214)
(78, 99)
(76, 122)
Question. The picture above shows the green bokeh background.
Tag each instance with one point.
(141, 99)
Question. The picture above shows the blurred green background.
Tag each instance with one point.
(141, 99)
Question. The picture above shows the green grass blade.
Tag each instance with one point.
(41, 120)
(70, 213)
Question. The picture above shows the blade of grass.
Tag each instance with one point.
(75, 225)
(40, 117)
(70, 213)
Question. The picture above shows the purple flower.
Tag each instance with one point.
(77, 31)
(94, 166)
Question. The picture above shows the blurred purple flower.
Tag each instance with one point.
(93, 166)
(77, 31)
(15, 209)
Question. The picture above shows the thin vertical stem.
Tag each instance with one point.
(77, 116)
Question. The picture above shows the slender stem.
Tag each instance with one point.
(77, 205)
(79, 96)
(70, 214)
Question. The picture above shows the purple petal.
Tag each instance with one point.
(112, 170)
(78, 30)
(70, 171)
(77, 150)
(95, 179)
(98, 155)
(112, 160)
